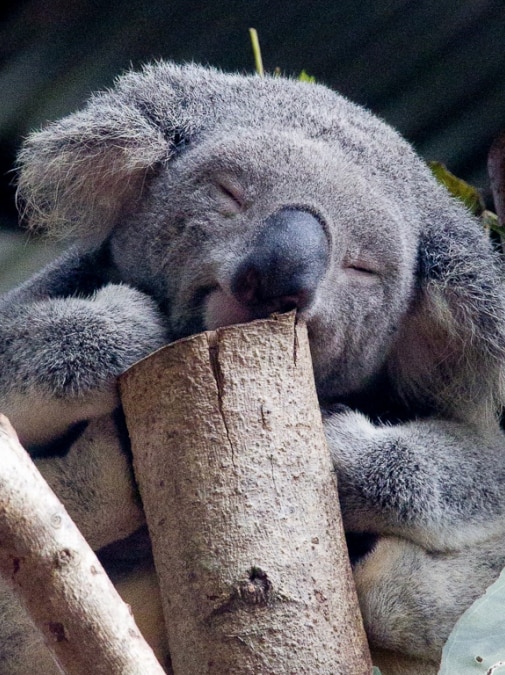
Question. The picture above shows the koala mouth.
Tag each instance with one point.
(222, 309)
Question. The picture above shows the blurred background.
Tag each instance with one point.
(434, 69)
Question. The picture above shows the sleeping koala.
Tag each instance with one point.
(197, 199)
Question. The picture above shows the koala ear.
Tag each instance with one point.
(78, 175)
(450, 350)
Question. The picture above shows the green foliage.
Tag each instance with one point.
(255, 43)
(376, 671)
(468, 194)
(490, 222)
(258, 60)
(305, 77)
(477, 643)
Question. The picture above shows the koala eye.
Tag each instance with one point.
(361, 269)
(232, 193)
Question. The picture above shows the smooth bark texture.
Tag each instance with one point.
(241, 503)
(85, 624)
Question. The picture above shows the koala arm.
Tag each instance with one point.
(437, 483)
(94, 480)
(60, 356)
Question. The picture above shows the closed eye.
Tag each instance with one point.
(233, 194)
(359, 268)
(363, 270)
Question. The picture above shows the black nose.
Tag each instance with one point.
(285, 264)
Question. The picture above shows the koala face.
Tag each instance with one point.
(268, 221)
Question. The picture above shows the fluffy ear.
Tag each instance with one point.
(450, 351)
(78, 175)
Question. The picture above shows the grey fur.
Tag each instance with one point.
(167, 183)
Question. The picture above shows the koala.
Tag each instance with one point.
(195, 199)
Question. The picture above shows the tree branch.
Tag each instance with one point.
(241, 504)
(85, 624)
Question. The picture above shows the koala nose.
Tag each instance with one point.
(285, 264)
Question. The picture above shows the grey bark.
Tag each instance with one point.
(496, 170)
(85, 624)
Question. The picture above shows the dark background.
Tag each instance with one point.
(435, 69)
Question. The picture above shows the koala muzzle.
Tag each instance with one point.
(285, 264)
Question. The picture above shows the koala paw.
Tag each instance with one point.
(66, 354)
(348, 433)
(86, 344)
(137, 322)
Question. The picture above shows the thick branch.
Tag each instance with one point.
(85, 624)
(241, 503)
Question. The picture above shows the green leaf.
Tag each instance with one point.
(468, 194)
(255, 44)
(477, 643)
(490, 221)
(376, 671)
(305, 77)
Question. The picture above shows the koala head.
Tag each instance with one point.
(227, 197)
(247, 224)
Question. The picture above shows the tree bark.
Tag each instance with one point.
(241, 504)
(496, 170)
(85, 624)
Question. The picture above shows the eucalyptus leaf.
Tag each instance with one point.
(490, 222)
(477, 643)
(459, 188)
(305, 77)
